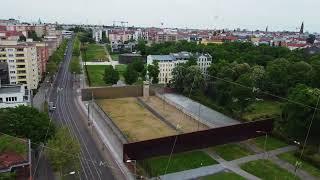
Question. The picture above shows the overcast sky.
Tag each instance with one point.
(250, 14)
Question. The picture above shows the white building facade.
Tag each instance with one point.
(14, 95)
(168, 62)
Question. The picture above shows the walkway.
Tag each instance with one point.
(234, 166)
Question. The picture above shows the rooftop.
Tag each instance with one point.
(10, 89)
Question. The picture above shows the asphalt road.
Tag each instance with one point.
(64, 95)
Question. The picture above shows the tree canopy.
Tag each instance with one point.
(26, 122)
(111, 76)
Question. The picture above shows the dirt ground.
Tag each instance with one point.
(172, 114)
(136, 122)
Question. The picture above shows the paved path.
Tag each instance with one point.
(113, 63)
(231, 165)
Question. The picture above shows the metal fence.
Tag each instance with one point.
(196, 140)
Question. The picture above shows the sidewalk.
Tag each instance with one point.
(230, 165)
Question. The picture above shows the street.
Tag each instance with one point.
(64, 95)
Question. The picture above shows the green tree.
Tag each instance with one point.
(277, 76)
(130, 75)
(153, 72)
(241, 94)
(104, 37)
(297, 117)
(75, 65)
(33, 35)
(26, 122)
(138, 65)
(299, 72)
(178, 75)
(191, 62)
(315, 73)
(141, 46)
(52, 67)
(193, 80)
(63, 151)
(111, 76)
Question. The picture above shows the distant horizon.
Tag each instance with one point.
(138, 26)
(284, 15)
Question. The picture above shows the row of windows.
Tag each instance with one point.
(9, 99)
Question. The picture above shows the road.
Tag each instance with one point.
(64, 95)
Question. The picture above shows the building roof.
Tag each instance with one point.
(10, 89)
(163, 57)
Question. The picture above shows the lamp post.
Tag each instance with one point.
(70, 173)
(265, 142)
(135, 166)
(298, 162)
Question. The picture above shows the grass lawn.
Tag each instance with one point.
(179, 162)
(223, 176)
(95, 53)
(272, 143)
(231, 151)
(121, 68)
(292, 159)
(261, 110)
(267, 170)
(115, 57)
(134, 120)
(11, 144)
(96, 74)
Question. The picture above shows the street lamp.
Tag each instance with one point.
(298, 163)
(70, 173)
(265, 142)
(135, 165)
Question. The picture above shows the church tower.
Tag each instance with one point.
(302, 28)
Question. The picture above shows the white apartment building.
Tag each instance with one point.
(168, 62)
(14, 95)
(22, 62)
(97, 34)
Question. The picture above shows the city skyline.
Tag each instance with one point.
(231, 14)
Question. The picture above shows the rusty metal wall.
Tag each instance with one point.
(196, 140)
(113, 92)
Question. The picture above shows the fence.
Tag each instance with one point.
(111, 92)
(196, 140)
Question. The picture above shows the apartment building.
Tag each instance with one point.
(22, 62)
(168, 62)
(42, 57)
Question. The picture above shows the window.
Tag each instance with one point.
(1, 100)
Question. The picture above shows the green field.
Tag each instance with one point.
(292, 159)
(115, 57)
(262, 110)
(223, 176)
(266, 170)
(179, 162)
(231, 151)
(95, 53)
(96, 74)
(272, 143)
(11, 144)
(121, 68)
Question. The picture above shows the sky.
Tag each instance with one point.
(204, 14)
